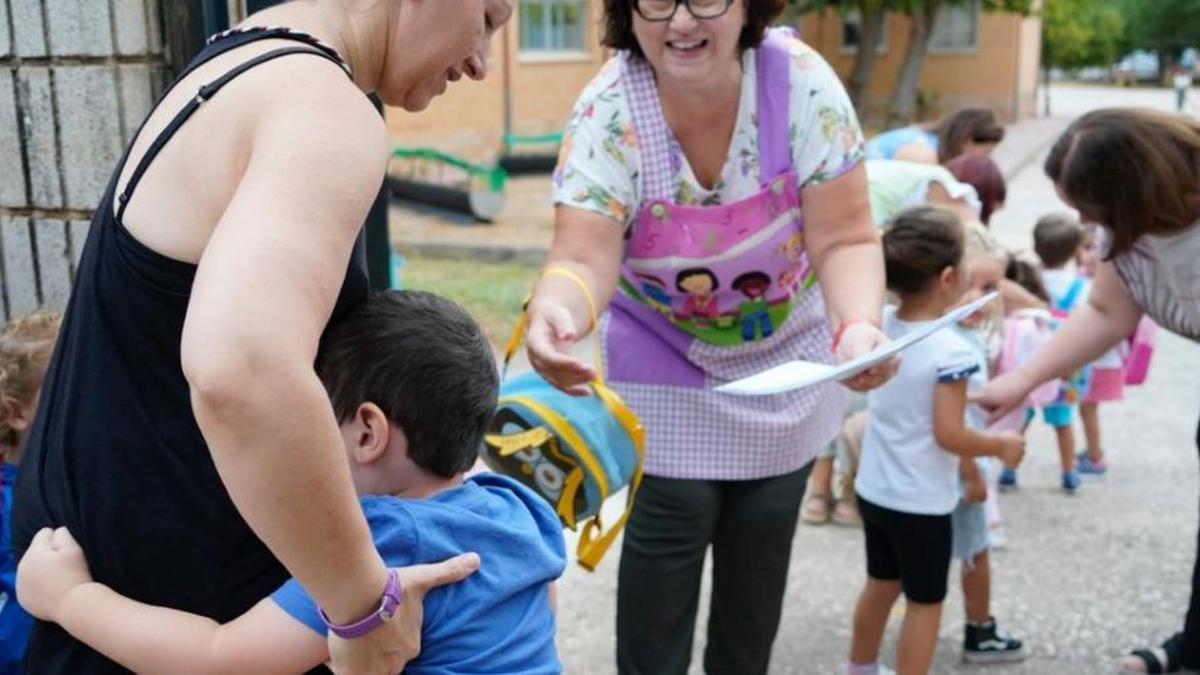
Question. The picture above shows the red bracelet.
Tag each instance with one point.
(841, 329)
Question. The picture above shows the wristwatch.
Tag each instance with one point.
(389, 604)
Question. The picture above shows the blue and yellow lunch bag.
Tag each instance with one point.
(575, 451)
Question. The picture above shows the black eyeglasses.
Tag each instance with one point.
(664, 10)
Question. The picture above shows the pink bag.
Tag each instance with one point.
(1141, 349)
(1025, 332)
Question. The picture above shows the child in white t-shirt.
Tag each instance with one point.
(908, 475)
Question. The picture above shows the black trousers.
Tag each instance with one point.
(750, 525)
(1190, 658)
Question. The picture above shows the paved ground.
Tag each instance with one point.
(1083, 578)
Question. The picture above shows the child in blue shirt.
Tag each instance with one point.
(26, 344)
(414, 383)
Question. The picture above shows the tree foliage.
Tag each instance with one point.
(1081, 33)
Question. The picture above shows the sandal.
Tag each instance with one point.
(1150, 661)
(846, 513)
(816, 509)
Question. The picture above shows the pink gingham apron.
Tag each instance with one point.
(714, 293)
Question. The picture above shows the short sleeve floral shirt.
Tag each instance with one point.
(599, 161)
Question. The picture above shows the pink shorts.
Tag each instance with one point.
(1107, 384)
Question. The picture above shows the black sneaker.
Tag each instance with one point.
(985, 643)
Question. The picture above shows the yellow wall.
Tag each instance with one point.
(468, 119)
(1000, 73)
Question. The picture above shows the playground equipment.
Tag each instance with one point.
(516, 158)
(437, 178)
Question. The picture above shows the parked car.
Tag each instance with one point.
(1137, 66)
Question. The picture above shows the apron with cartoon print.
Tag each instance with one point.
(709, 294)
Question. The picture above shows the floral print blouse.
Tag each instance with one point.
(599, 162)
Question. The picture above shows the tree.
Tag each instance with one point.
(1164, 26)
(1080, 33)
(923, 16)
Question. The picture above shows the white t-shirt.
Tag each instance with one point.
(599, 162)
(902, 467)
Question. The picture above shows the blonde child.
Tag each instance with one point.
(907, 482)
(25, 347)
(984, 264)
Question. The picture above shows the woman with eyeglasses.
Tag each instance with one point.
(711, 197)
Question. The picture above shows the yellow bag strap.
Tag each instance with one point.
(518, 334)
(593, 543)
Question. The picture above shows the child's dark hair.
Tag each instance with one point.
(1027, 276)
(1055, 239)
(424, 361)
(918, 244)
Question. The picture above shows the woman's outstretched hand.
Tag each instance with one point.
(552, 332)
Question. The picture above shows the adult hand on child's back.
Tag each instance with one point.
(861, 338)
(386, 650)
(551, 333)
(51, 568)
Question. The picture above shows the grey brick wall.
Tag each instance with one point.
(76, 79)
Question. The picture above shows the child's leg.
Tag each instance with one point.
(918, 637)
(883, 582)
(977, 588)
(1089, 414)
(870, 618)
(1066, 446)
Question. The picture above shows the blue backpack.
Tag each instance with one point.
(574, 451)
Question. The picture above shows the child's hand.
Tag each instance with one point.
(53, 566)
(1012, 449)
(974, 488)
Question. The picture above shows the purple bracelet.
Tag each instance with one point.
(389, 604)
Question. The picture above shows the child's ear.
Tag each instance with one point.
(949, 277)
(371, 430)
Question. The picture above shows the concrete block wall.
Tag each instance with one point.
(76, 79)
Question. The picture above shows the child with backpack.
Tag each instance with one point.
(1056, 238)
(907, 482)
(414, 383)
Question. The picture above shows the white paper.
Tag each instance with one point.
(799, 374)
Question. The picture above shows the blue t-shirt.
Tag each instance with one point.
(885, 145)
(15, 623)
(498, 620)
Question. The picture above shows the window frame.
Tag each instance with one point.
(527, 54)
(975, 8)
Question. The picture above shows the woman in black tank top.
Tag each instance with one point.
(182, 435)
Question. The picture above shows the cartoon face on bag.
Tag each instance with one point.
(536, 461)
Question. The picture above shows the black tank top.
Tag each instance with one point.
(115, 453)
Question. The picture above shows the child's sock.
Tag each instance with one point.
(853, 668)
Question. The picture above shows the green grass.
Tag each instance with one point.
(491, 292)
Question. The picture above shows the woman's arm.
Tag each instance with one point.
(844, 248)
(1108, 317)
(917, 151)
(951, 432)
(265, 288)
(590, 245)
